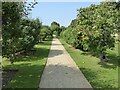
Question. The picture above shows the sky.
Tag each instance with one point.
(61, 12)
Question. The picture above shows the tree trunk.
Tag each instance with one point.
(12, 58)
(103, 57)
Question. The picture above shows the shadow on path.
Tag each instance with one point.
(63, 76)
(56, 53)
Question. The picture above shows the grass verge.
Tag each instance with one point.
(30, 67)
(99, 76)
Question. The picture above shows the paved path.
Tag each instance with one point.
(61, 71)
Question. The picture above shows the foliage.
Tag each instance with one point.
(97, 23)
(94, 28)
(55, 27)
(118, 26)
(45, 31)
(30, 33)
(68, 36)
(12, 12)
(63, 28)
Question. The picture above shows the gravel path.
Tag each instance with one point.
(61, 71)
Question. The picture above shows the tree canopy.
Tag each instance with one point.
(18, 33)
(94, 28)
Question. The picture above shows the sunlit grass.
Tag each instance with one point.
(30, 68)
(99, 75)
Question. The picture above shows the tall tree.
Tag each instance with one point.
(55, 27)
(12, 12)
(99, 26)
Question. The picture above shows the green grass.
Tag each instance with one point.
(30, 67)
(99, 75)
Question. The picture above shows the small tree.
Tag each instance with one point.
(45, 31)
(30, 33)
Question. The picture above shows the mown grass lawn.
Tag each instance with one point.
(99, 75)
(30, 68)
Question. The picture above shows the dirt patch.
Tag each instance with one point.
(7, 76)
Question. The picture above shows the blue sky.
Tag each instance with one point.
(61, 12)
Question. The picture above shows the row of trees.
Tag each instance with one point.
(20, 33)
(94, 28)
(55, 29)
